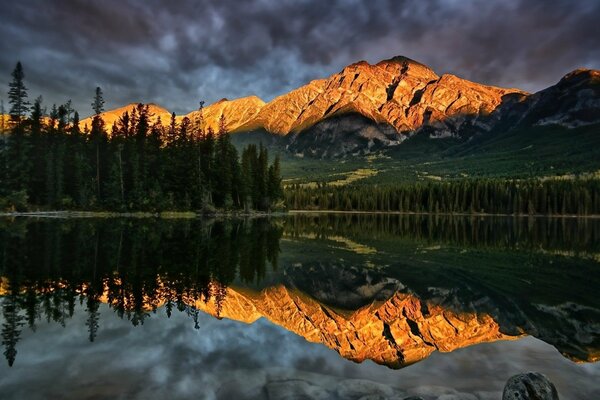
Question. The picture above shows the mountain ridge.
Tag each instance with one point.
(385, 69)
(366, 106)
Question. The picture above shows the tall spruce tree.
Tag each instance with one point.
(223, 167)
(246, 178)
(99, 140)
(98, 103)
(37, 115)
(261, 174)
(39, 147)
(18, 159)
(17, 96)
(274, 191)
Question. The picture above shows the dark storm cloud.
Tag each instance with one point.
(177, 52)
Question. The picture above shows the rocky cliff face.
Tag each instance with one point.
(341, 135)
(399, 92)
(285, 113)
(398, 98)
(238, 112)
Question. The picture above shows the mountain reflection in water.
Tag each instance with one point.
(387, 288)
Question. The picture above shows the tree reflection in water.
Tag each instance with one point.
(338, 264)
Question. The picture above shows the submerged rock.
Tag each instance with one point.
(529, 386)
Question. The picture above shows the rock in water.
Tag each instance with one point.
(529, 386)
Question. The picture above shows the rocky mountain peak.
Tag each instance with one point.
(368, 105)
(237, 112)
(112, 116)
(580, 76)
(399, 92)
(404, 66)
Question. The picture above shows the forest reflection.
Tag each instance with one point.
(48, 266)
(136, 266)
(568, 234)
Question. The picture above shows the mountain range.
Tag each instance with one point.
(371, 106)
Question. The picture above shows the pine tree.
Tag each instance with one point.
(223, 167)
(185, 127)
(199, 122)
(69, 111)
(39, 148)
(81, 166)
(59, 155)
(274, 191)
(92, 321)
(260, 178)
(17, 95)
(199, 193)
(99, 140)
(98, 103)
(246, 178)
(11, 327)
(18, 159)
(172, 132)
(207, 161)
(138, 160)
(37, 114)
(75, 129)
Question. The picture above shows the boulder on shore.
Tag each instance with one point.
(529, 386)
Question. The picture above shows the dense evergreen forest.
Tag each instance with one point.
(491, 196)
(50, 162)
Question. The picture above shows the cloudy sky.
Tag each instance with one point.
(178, 52)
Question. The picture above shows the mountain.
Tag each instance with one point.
(112, 116)
(399, 92)
(573, 102)
(237, 113)
(366, 107)
(284, 113)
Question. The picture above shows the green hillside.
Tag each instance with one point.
(540, 151)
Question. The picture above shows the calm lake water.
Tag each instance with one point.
(302, 306)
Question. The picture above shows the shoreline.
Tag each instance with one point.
(591, 216)
(63, 214)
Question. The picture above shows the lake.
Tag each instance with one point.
(313, 306)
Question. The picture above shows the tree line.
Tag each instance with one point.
(49, 161)
(134, 266)
(489, 196)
